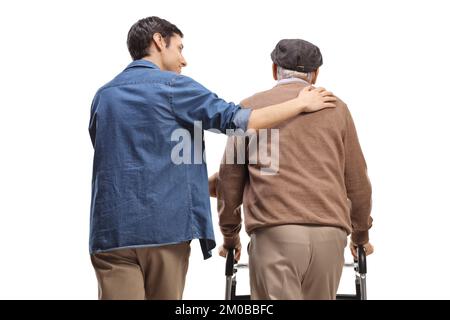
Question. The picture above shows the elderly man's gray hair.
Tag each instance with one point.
(287, 74)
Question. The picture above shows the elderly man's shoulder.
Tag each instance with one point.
(249, 101)
(340, 103)
(274, 96)
(261, 99)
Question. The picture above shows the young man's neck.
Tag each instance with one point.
(154, 60)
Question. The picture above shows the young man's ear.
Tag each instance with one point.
(159, 41)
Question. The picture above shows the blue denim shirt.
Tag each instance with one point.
(140, 197)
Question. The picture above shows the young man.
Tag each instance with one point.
(299, 215)
(145, 208)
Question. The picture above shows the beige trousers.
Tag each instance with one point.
(296, 262)
(142, 273)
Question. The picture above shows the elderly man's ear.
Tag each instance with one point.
(315, 74)
(274, 71)
(212, 182)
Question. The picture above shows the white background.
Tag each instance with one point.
(388, 60)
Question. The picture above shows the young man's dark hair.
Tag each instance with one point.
(141, 35)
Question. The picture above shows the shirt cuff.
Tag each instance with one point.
(240, 119)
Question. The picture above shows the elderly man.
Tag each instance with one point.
(298, 212)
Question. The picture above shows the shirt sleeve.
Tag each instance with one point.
(93, 118)
(192, 102)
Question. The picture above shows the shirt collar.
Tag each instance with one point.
(142, 63)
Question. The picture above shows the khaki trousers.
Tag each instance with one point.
(142, 273)
(296, 262)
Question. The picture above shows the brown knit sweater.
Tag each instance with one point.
(322, 178)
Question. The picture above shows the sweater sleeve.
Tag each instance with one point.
(359, 189)
(230, 189)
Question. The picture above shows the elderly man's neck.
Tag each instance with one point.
(293, 80)
(287, 76)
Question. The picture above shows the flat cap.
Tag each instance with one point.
(296, 54)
